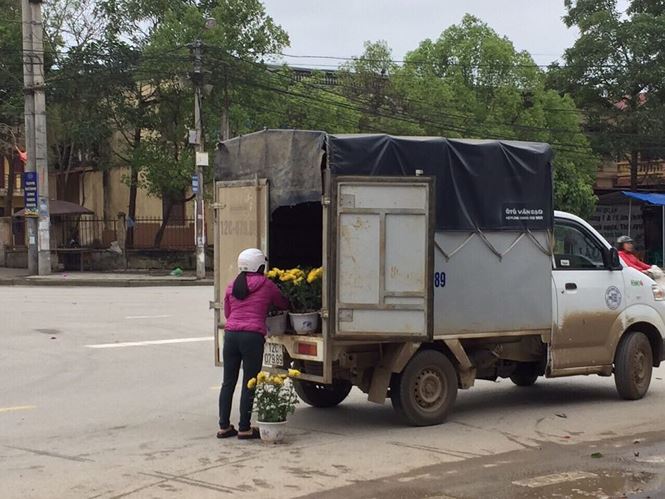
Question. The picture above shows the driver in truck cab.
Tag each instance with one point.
(626, 248)
(246, 304)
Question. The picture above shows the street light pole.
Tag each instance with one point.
(197, 78)
(38, 224)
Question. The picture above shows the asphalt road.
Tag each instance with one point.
(138, 420)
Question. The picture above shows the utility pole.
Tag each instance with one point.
(38, 225)
(225, 128)
(197, 78)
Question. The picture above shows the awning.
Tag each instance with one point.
(654, 198)
(58, 207)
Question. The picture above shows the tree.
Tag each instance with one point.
(472, 83)
(78, 125)
(160, 109)
(616, 72)
(166, 158)
(369, 81)
(11, 93)
(11, 65)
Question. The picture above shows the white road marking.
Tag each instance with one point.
(545, 480)
(17, 408)
(416, 477)
(147, 317)
(652, 460)
(150, 342)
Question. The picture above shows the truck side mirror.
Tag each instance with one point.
(612, 259)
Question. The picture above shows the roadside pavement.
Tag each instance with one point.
(120, 279)
(619, 467)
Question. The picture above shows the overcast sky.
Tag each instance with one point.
(339, 27)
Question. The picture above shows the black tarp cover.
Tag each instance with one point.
(289, 159)
(480, 184)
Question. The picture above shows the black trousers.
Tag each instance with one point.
(246, 348)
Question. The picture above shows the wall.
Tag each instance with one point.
(16, 258)
(165, 260)
(17, 204)
(147, 206)
(92, 192)
(5, 238)
(92, 196)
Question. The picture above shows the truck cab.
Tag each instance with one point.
(598, 304)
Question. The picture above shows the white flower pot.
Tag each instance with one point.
(276, 324)
(272, 433)
(305, 323)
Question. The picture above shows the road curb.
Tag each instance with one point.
(105, 283)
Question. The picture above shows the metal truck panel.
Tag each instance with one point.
(241, 222)
(381, 258)
(479, 292)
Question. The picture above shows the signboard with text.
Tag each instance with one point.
(613, 221)
(30, 194)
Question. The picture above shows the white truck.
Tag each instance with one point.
(444, 263)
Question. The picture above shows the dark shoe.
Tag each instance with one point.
(251, 436)
(228, 433)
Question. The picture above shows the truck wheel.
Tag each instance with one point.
(633, 365)
(525, 374)
(425, 391)
(320, 395)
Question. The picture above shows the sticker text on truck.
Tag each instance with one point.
(439, 279)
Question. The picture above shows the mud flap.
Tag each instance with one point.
(394, 359)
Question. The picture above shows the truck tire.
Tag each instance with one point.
(425, 391)
(526, 374)
(633, 365)
(320, 395)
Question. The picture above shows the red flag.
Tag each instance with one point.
(22, 155)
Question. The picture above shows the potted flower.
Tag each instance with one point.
(303, 289)
(274, 399)
(277, 320)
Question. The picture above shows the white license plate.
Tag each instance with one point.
(273, 355)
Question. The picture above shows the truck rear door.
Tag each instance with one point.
(241, 222)
(380, 245)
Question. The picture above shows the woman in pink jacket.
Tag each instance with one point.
(246, 304)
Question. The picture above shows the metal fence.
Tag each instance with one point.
(178, 234)
(85, 232)
(89, 232)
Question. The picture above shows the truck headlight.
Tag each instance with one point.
(658, 292)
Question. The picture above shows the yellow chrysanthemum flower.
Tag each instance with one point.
(314, 275)
(262, 377)
(294, 373)
(286, 277)
(276, 380)
(251, 383)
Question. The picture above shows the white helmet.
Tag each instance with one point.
(250, 260)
